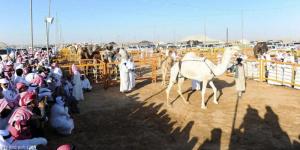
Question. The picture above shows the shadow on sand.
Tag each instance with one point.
(220, 85)
(128, 123)
(254, 133)
(260, 133)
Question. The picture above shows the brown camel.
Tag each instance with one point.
(166, 65)
(260, 48)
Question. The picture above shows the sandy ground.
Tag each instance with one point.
(267, 117)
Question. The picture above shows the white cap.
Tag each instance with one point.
(3, 81)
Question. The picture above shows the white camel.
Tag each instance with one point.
(200, 69)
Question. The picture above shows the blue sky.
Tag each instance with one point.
(159, 20)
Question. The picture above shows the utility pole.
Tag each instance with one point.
(205, 31)
(227, 39)
(48, 22)
(31, 25)
(56, 31)
(154, 33)
(242, 26)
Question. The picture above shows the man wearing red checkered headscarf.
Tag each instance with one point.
(19, 121)
(5, 112)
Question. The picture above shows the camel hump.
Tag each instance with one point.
(189, 56)
(192, 56)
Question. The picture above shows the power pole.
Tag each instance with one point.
(227, 41)
(48, 30)
(31, 25)
(56, 32)
(205, 31)
(174, 36)
(242, 26)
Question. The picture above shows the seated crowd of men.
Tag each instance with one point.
(34, 95)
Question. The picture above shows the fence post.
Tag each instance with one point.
(293, 74)
(105, 76)
(261, 73)
(154, 68)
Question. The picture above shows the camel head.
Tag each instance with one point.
(227, 56)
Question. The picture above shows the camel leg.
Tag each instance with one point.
(204, 84)
(163, 78)
(180, 82)
(215, 91)
(168, 92)
(95, 74)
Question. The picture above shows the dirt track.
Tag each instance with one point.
(267, 117)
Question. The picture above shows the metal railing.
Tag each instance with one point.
(274, 72)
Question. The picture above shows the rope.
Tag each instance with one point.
(211, 71)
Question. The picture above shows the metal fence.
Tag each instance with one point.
(274, 72)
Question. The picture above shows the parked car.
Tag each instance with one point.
(7, 51)
(133, 48)
(3, 53)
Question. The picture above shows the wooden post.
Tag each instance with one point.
(276, 70)
(105, 82)
(262, 69)
(154, 69)
(293, 74)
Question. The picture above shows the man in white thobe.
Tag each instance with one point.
(131, 68)
(124, 76)
(60, 119)
(289, 58)
(86, 85)
(57, 73)
(196, 85)
(19, 78)
(10, 95)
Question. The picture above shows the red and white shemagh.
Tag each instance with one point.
(38, 80)
(26, 98)
(20, 114)
(3, 104)
(20, 85)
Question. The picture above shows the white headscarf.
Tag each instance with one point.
(75, 69)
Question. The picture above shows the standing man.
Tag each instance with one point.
(131, 67)
(124, 76)
(196, 85)
(239, 76)
(77, 85)
(57, 73)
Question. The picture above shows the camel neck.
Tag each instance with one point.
(221, 68)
